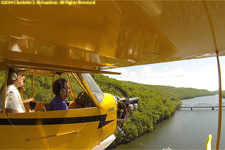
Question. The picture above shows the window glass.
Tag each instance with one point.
(42, 88)
(78, 96)
(2, 81)
(75, 88)
(94, 87)
(2, 77)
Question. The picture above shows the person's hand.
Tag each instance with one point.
(28, 101)
(33, 110)
(31, 100)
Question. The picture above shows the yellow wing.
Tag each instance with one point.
(110, 34)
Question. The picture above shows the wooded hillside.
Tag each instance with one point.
(156, 103)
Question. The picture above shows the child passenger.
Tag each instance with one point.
(61, 90)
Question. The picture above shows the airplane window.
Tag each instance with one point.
(2, 81)
(39, 86)
(82, 99)
(94, 87)
(76, 86)
(2, 77)
(42, 88)
(78, 98)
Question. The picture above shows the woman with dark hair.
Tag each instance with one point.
(61, 90)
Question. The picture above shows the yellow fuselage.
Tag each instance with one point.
(81, 128)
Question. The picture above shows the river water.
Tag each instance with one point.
(186, 129)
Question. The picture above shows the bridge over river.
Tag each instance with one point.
(201, 105)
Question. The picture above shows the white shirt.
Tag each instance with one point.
(13, 99)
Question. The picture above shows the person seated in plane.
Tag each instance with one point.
(13, 101)
(61, 90)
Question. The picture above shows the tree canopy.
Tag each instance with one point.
(156, 103)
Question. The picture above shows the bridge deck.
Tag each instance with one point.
(191, 107)
(200, 106)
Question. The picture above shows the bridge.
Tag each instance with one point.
(201, 105)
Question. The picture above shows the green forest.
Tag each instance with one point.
(156, 103)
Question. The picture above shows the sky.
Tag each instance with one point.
(195, 73)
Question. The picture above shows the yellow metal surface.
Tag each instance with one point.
(110, 34)
(84, 133)
(56, 136)
(108, 106)
(208, 143)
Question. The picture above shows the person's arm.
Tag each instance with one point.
(28, 101)
(9, 110)
(11, 103)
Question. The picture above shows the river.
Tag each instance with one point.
(185, 130)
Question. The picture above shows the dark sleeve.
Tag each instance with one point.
(60, 106)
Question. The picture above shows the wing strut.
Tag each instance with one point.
(220, 104)
(219, 76)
